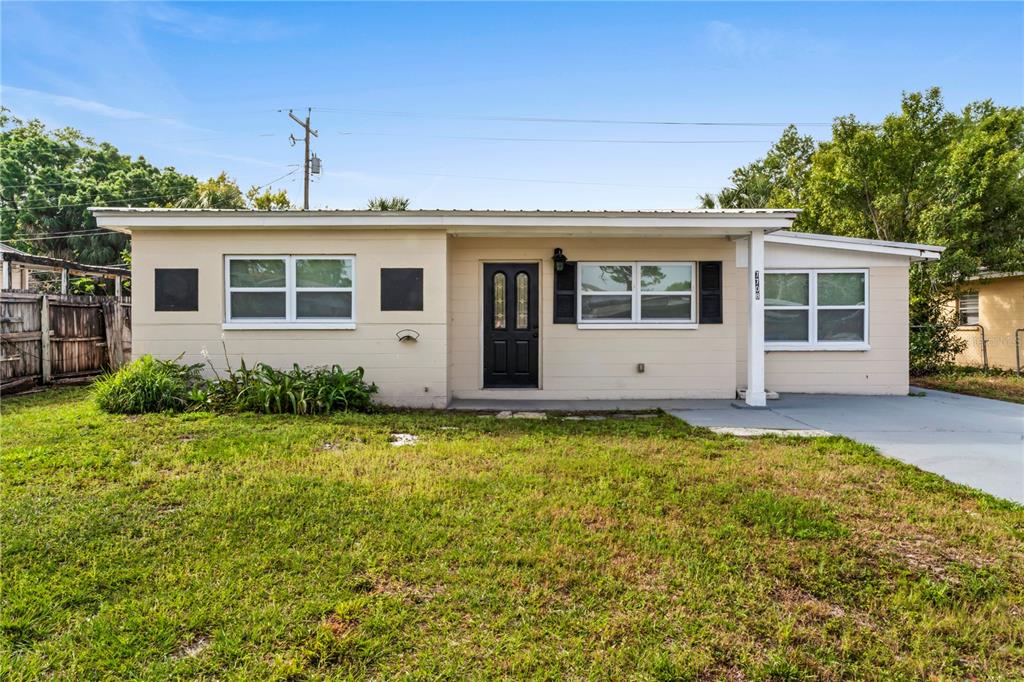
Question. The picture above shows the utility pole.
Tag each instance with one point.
(305, 163)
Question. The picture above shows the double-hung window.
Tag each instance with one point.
(638, 293)
(313, 291)
(816, 309)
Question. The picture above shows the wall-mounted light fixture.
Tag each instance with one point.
(559, 259)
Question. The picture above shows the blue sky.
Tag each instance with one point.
(405, 91)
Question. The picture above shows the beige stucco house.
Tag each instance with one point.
(991, 316)
(443, 305)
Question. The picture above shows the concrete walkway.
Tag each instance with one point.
(974, 441)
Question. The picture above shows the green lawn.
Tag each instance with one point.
(244, 547)
(992, 384)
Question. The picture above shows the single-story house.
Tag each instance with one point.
(991, 316)
(439, 305)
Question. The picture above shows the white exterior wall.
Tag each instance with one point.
(882, 370)
(594, 363)
(412, 374)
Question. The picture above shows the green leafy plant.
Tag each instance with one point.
(317, 390)
(149, 385)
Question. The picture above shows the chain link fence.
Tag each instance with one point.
(983, 349)
(991, 351)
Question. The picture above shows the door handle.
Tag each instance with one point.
(535, 335)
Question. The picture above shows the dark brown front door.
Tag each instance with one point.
(511, 332)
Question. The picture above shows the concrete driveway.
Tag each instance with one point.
(974, 441)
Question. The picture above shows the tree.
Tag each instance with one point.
(927, 175)
(395, 203)
(776, 181)
(268, 200)
(924, 174)
(218, 192)
(49, 178)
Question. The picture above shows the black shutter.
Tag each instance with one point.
(176, 289)
(710, 283)
(565, 294)
(401, 288)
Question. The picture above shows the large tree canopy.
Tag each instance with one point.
(49, 179)
(776, 181)
(924, 174)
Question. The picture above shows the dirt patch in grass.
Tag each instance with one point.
(192, 648)
(338, 627)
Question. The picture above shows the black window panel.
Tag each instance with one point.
(710, 283)
(176, 289)
(401, 288)
(565, 294)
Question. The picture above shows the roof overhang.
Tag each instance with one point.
(916, 252)
(698, 222)
(987, 275)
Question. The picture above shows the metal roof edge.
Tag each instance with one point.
(918, 251)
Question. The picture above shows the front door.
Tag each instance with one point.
(511, 325)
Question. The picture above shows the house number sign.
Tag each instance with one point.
(757, 285)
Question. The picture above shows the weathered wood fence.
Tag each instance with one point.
(48, 338)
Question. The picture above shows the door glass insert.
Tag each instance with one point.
(522, 301)
(499, 300)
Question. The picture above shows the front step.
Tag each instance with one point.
(769, 395)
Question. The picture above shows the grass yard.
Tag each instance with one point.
(998, 385)
(252, 547)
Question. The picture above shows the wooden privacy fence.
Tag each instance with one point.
(52, 338)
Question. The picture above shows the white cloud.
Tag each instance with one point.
(734, 42)
(205, 26)
(727, 39)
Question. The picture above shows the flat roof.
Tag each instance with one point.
(457, 222)
(97, 210)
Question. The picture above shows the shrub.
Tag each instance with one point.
(148, 385)
(151, 385)
(297, 391)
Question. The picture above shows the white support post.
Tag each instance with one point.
(64, 281)
(7, 284)
(117, 287)
(755, 327)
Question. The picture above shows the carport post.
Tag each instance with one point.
(755, 327)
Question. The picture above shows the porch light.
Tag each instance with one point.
(559, 259)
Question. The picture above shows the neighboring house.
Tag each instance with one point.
(991, 315)
(442, 305)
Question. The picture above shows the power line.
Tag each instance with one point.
(555, 139)
(131, 198)
(95, 232)
(533, 180)
(549, 119)
(93, 203)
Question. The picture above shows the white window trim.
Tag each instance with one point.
(290, 321)
(636, 294)
(812, 307)
(977, 309)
